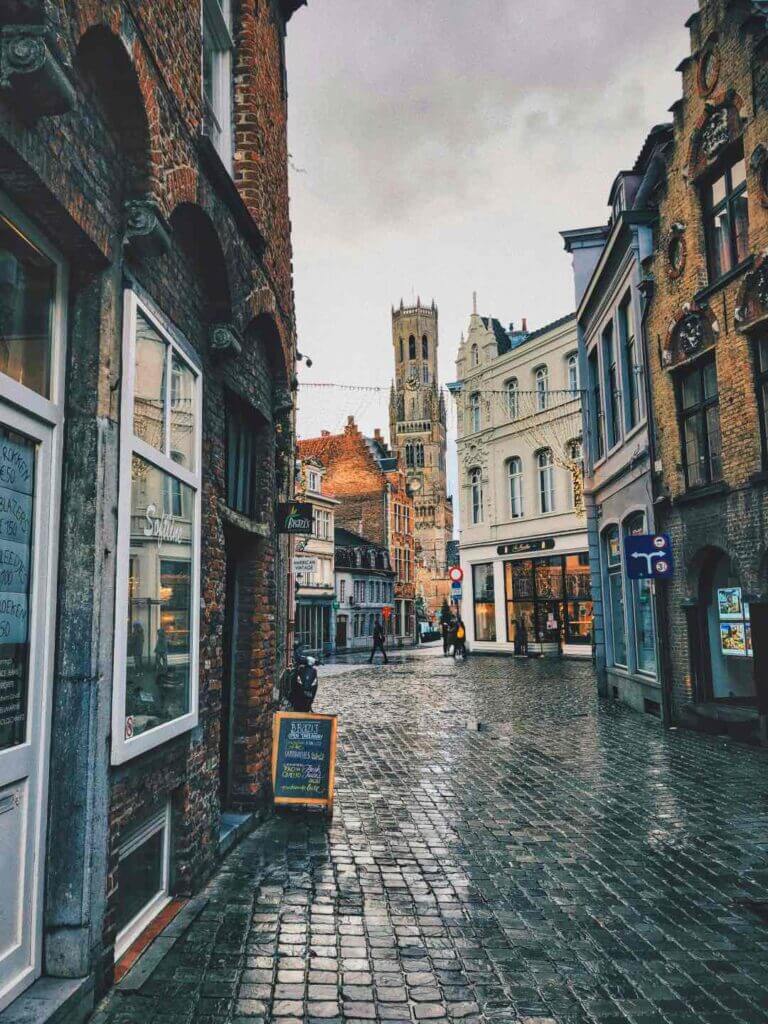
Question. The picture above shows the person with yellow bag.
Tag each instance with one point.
(460, 641)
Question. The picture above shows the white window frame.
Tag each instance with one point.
(125, 749)
(546, 471)
(475, 413)
(573, 373)
(542, 388)
(513, 398)
(159, 822)
(515, 479)
(218, 17)
(476, 492)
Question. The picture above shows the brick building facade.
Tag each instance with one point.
(708, 356)
(375, 504)
(146, 369)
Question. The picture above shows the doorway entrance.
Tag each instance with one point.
(341, 632)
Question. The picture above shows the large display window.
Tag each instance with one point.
(549, 600)
(157, 606)
(484, 602)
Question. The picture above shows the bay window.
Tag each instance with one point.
(157, 604)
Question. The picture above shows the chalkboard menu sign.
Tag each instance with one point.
(303, 758)
(17, 485)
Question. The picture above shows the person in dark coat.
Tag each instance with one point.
(446, 630)
(378, 643)
(460, 639)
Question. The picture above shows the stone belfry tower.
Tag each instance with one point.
(418, 429)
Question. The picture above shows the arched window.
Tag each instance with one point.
(515, 471)
(419, 455)
(474, 356)
(401, 350)
(474, 412)
(424, 347)
(476, 487)
(573, 373)
(513, 398)
(411, 347)
(546, 468)
(542, 388)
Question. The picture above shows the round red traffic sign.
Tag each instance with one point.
(456, 574)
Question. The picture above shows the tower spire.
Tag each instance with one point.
(474, 303)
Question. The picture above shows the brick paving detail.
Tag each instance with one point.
(565, 862)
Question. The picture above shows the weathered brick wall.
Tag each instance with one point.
(736, 520)
(134, 132)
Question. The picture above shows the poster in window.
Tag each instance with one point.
(729, 603)
(733, 640)
(17, 482)
(748, 639)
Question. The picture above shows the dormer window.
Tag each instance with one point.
(726, 217)
(217, 77)
(313, 483)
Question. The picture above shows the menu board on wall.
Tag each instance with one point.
(17, 484)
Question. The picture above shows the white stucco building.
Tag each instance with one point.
(524, 547)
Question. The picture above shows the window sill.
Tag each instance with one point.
(706, 293)
(242, 522)
(229, 192)
(702, 493)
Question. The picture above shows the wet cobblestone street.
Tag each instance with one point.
(563, 862)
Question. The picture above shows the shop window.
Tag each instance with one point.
(484, 600)
(244, 443)
(549, 600)
(700, 424)
(542, 388)
(644, 629)
(515, 475)
(27, 299)
(157, 607)
(726, 216)
(513, 398)
(730, 635)
(217, 76)
(142, 877)
(632, 365)
(761, 380)
(578, 596)
(615, 572)
(598, 412)
(546, 471)
(476, 492)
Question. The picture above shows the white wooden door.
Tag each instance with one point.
(28, 519)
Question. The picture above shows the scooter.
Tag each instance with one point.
(303, 681)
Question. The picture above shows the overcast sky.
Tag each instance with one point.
(438, 146)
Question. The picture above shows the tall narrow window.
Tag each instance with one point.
(474, 356)
(726, 207)
(476, 494)
(542, 388)
(573, 373)
(513, 398)
(419, 455)
(402, 352)
(425, 347)
(411, 347)
(425, 374)
(700, 424)
(546, 468)
(612, 390)
(484, 602)
(633, 383)
(761, 379)
(158, 606)
(515, 473)
(242, 455)
(641, 592)
(596, 403)
(474, 413)
(612, 549)
(217, 76)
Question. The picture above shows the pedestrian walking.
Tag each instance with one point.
(460, 642)
(378, 643)
(446, 630)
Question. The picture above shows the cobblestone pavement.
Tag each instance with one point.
(565, 862)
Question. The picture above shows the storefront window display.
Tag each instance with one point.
(484, 602)
(549, 599)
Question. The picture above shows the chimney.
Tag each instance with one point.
(377, 434)
(525, 325)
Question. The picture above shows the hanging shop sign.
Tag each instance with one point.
(17, 486)
(304, 759)
(294, 517)
(648, 556)
(526, 547)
